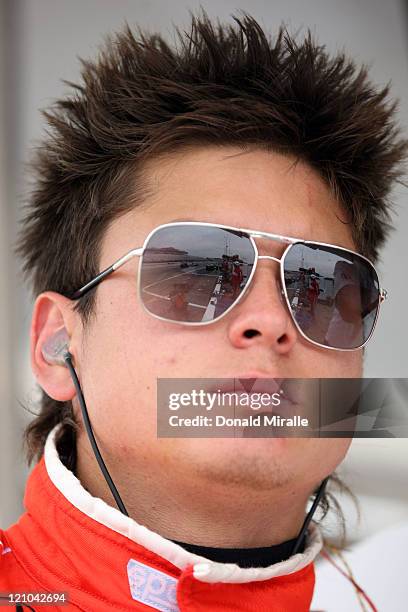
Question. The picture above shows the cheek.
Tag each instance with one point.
(124, 351)
(326, 363)
(349, 365)
(321, 457)
(334, 450)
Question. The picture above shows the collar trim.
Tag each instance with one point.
(204, 569)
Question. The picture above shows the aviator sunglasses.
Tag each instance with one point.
(194, 273)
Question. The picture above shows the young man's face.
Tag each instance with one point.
(125, 350)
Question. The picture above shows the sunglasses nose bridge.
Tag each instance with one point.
(277, 261)
(269, 257)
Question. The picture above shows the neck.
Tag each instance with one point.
(182, 507)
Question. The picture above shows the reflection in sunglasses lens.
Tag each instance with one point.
(194, 273)
(333, 294)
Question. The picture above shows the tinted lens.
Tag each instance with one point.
(333, 294)
(194, 273)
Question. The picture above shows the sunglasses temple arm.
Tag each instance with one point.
(102, 275)
(375, 304)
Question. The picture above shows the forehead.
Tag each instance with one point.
(255, 189)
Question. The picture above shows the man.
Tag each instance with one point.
(237, 277)
(161, 148)
(313, 293)
(344, 325)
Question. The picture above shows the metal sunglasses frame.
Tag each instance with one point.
(252, 234)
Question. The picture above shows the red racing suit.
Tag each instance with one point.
(70, 542)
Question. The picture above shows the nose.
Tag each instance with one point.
(262, 316)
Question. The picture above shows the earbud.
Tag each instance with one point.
(56, 347)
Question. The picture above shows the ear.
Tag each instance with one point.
(52, 312)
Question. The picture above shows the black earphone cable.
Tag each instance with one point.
(88, 426)
(114, 491)
(310, 515)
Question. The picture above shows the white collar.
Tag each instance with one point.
(204, 569)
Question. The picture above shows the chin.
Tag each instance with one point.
(261, 464)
